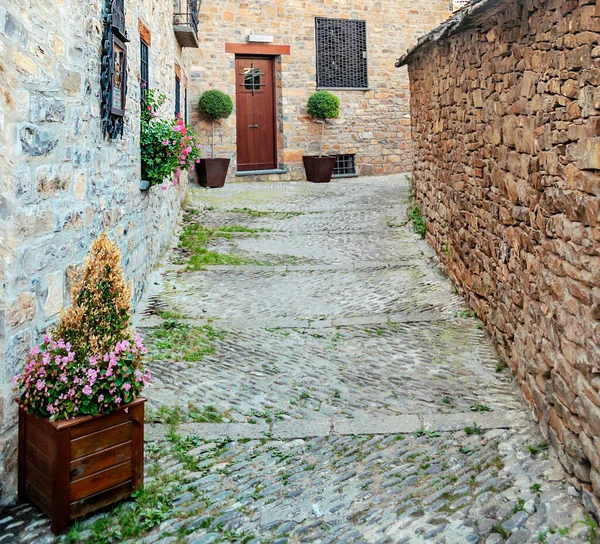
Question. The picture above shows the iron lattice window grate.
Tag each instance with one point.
(341, 54)
(345, 165)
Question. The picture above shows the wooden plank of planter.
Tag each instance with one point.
(60, 497)
(90, 464)
(100, 440)
(38, 479)
(100, 500)
(97, 424)
(38, 458)
(100, 481)
(138, 446)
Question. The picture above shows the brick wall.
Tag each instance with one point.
(374, 124)
(61, 182)
(506, 125)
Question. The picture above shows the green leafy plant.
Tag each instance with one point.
(168, 147)
(215, 105)
(418, 222)
(321, 106)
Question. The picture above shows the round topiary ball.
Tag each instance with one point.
(324, 105)
(215, 105)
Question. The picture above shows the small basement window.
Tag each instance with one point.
(345, 166)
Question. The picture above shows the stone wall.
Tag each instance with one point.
(374, 124)
(506, 125)
(62, 182)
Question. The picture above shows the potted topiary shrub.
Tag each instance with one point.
(322, 105)
(81, 417)
(214, 106)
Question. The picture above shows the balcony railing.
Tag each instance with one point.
(185, 22)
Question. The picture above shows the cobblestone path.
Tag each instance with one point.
(330, 387)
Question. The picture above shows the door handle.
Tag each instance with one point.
(252, 126)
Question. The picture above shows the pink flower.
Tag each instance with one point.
(177, 128)
(100, 398)
(118, 400)
(165, 142)
(127, 386)
(87, 390)
(40, 385)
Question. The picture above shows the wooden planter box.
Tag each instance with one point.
(70, 468)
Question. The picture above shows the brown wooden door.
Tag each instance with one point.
(256, 122)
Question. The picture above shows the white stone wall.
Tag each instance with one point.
(62, 183)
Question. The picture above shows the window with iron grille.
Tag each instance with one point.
(341, 54)
(344, 166)
(177, 96)
(144, 68)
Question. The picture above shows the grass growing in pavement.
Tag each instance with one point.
(177, 341)
(273, 215)
(194, 241)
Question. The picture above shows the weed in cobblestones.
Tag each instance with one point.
(520, 506)
(466, 314)
(473, 429)
(501, 531)
(538, 448)
(419, 432)
(480, 407)
(171, 315)
(208, 414)
(501, 367)
(271, 214)
(175, 341)
(226, 232)
(536, 488)
(418, 221)
(193, 243)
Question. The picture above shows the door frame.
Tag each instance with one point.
(272, 59)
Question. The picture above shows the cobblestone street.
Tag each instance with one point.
(329, 385)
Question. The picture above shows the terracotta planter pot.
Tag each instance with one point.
(70, 468)
(212, 173)
(318, 169)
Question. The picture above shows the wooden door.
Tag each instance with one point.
(256, 121)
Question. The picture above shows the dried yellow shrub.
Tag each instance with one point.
(101, 302)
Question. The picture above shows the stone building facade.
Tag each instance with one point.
(374, 124)
(62, 181)
(506, 127)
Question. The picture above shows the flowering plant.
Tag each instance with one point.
(167, 147)
(54, 384)
(92, 363)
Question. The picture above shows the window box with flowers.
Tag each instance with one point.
(81, 416)
(168, 147)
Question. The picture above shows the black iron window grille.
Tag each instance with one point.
(341, 54)
(345, 165)
(144, 69)
(186, 13)
(177, 96)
